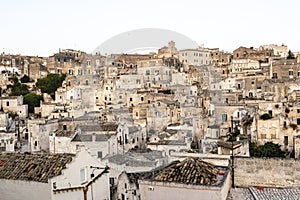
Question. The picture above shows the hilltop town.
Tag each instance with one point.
(193, 122)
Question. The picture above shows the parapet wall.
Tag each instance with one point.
(267, 172)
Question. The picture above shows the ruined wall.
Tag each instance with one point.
(268, 172)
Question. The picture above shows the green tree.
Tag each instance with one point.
(269, 149)
(265, 116)
(290, 55)
(233, 135)
(32, 100)
(50, 84)
(17, 88)
(25, 79)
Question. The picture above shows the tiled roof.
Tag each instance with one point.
(229, 145)
(63, 133)
(136, 159)
(134, 177)
(100, 127)
(89, 138)
(32, 167)
(168, 142)
(189, 171)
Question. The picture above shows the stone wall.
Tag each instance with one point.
(268, 172)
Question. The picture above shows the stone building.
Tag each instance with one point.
(14, 104)
(244, 67)
(284, 69)
(279, 50)
(196, 57)
(220, 58)
(65, 61)
(244, 52)
(38, 134)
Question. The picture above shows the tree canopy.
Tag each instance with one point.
(290, 55)
(265, 116)
(269, 149)
(33, 100)
(17, 88)
(50, 84)
(25, 79)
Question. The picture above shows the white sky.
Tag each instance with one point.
(41, 27)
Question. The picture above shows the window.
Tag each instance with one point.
(142, 98)
(99, 154)
(82, 175)
(291, 73)
(217, 134)
(130, 99)
(299, 74)
(271, 113)
(147, 72)
(54, 185)
(120, 140)
(273, 136)
(86, 82)
(111, 181)
(275, 75)
(286, 140)
(263, 136)
(7, 103)
(224, 117)
(126, 139)
(136, 114)
(65, 127)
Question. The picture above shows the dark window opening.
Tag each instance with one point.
(286, 140)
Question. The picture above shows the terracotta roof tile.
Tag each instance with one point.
(32, 167)
(189, 171)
